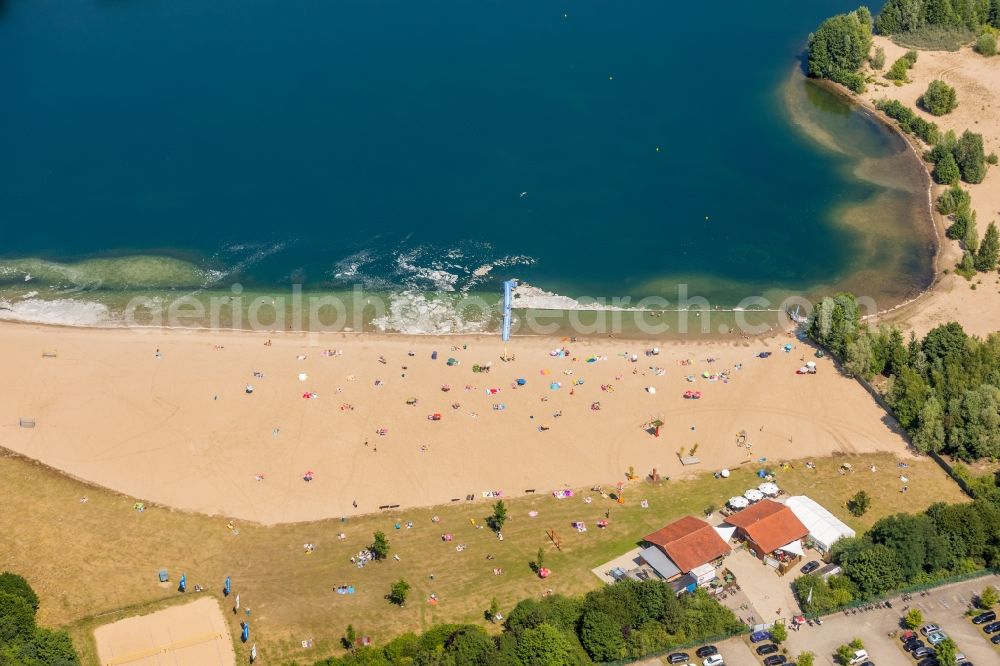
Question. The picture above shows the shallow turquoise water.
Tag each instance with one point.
(590, 149)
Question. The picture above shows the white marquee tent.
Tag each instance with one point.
(824, 528)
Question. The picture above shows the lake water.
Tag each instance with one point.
(590, 149)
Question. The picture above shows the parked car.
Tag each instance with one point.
(913, 644)
(678, 658)
(775, 659)
(907, 635)
(929, 629)
(759, 636)
(707, 650)
(809, 567)
(936, 637)
(929, 661)
(714, 660)
(920, 653)
(992, 627)
(995, 640)
(767, 648)
(983, 618)
(868, 663)
(860, 657)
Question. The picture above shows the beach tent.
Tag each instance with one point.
(825, 529)
(227, 588)
(164, 576)
(182, 586)
(522, 381)
(245, 636)
(452, 361)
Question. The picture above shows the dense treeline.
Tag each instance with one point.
(22, 643)
(906, 550)
(840, 46)
(899, 16)
(625, 620)
(944, 389)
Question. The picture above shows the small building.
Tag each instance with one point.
(684, 549)
(768, 527)
(825, 529)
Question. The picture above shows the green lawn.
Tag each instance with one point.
(87, 561)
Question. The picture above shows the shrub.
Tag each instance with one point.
(953, 200)
(988, 597)
(970, 157)
(914, 618)
(989, 250)
(991, 159)
(380, 546)
(398, 592)
(939, 99)
(898, 70)
(986, 44)
(858, 505)
(877, 59)
(946, 171)
(965, 217)
(853, 81)
(910, 57)
(779, 634)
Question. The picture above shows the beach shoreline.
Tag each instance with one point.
(167, 416)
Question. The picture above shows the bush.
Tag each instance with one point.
(914, 618)
(988, 597)
(970, 157)
(986, 44)
(953, 200)
(898, 70)
(989, 250)
(877, 59)
(380, 546)
(939, 99)
(779, 634)
(398, 592)
(858, 505)
(946, 171)
(853, 81)
(963, 220)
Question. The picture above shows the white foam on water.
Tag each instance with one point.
(416, 313)
(533, 298)
(61, 311)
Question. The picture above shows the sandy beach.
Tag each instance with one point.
(977, 82)
(177, 426)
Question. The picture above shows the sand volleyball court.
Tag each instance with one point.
(194, 633)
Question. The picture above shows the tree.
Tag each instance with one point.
(971, 240)
(543, 646)
(988, 597)
(939, 98)
(806, 659)
(17, 585)
(601, 636)
(914, 618)
(986, 44)
(472, 646)
(846, 652)
(946, 651)
(970, 157)
(875, 570)
(989, 250)
(380, 546)
(840, 45)
(859, 504)
(930, 429)
(779, 634)
(398, 592)
(17, 619)
(49, 648)
(964, 220)
(946, 171)
(499, 516)
(954, 198)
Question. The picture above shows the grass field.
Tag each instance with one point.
(94, 562)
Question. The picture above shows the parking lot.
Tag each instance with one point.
(944, 606)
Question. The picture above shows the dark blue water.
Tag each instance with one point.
(389, 143)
